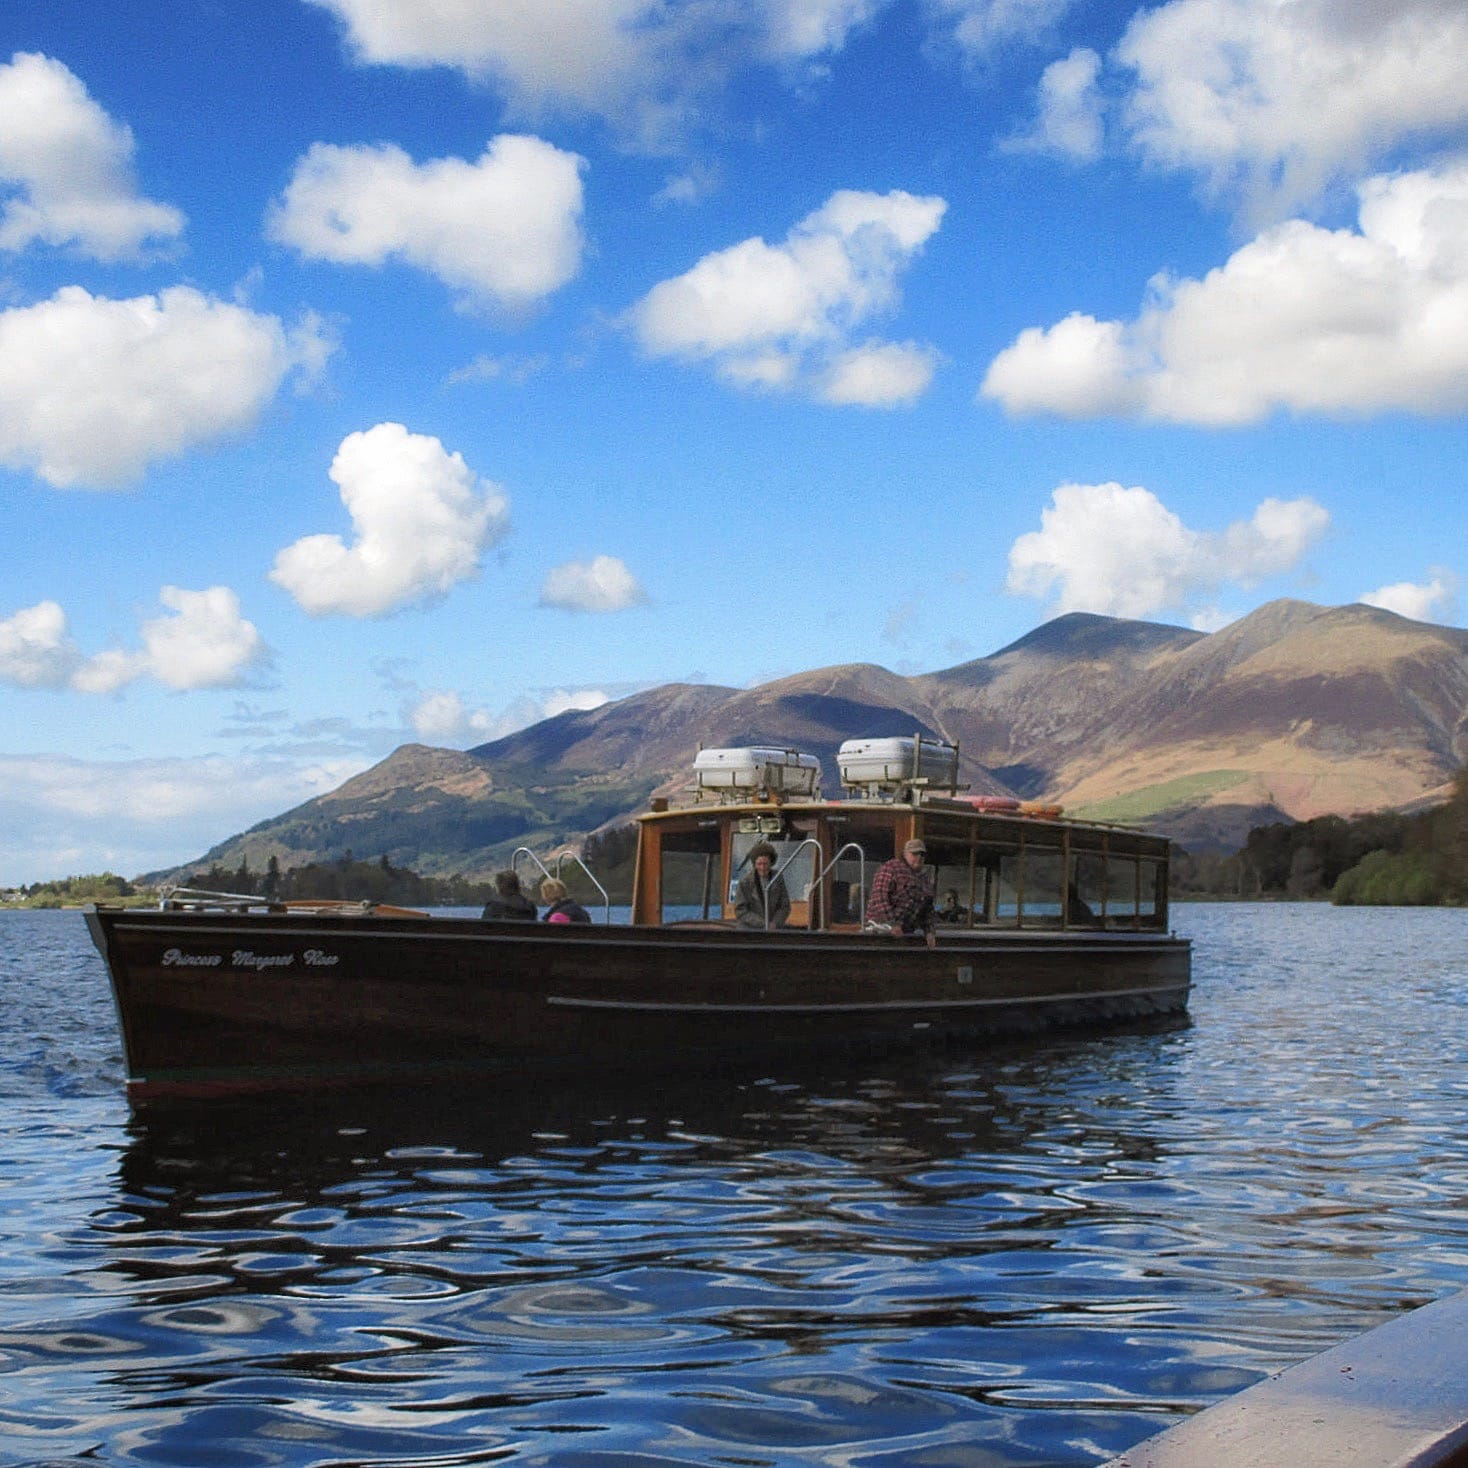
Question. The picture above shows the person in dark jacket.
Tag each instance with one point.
(509, 902)
(760, 899)
(561, 909)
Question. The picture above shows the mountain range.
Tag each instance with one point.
(1294, 711)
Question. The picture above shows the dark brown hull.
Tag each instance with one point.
(211, 1000)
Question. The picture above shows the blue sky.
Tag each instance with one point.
(389, 370)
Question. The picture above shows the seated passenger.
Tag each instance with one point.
(509, 902)
(952, 911)
(562, 909)
(902, 899)
(760, 899)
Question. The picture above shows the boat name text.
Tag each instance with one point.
(244, 958)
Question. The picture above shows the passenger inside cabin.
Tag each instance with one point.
(760, 899)
(1077, 909)
(508, 901)
(952, 910)
(902, 895)
(561, 908)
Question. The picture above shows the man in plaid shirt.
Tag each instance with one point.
(902, 895)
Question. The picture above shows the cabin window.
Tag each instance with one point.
(1086, 903)
(953, 884)
(848, 897)
(798, 875)
(1121, 891)
(1010, 888)
(690, 874)
(1150, 905)
(1044, 883)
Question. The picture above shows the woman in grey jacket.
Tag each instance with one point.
(760, 899)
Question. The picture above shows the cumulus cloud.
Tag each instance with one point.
(880, 375)
(1434, 600)
(1302, 319)
(93, 391)
(204, 643)
(35, 648)
(600, 585)
(1273, 102)
(1070, 118)
(777, 316)
(568, 700)
(505, 230)
(69, 166)
(980, 26)
(421, 520)
(647, 66)
(1122, 552)
(443, 717)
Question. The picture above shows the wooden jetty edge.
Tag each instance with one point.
(1396, 1397)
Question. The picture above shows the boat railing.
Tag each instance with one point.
(591, 877)
(818, 887)
(193, 899)
(780, 872)
(565, 856)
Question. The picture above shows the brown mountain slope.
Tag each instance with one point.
(1025, 710)
(1300, 709)
(1294, 711)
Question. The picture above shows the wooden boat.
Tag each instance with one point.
(1061, 923)
(1396, 1397)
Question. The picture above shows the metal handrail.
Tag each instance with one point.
(861, 856)
(520, 851)
(780, 871)
(545, 871)
(605, 897)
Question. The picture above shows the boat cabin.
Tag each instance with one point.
(996, 862)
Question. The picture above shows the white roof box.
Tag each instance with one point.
(752, 770)
(888, 763)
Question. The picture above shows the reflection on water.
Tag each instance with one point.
(1039, 1255)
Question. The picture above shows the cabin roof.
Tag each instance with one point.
(937, 816)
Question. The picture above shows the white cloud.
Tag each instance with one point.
(516, 371)
(647, 66)
(696, 183)
(1275, 101)
(1123, 553)
(1302, 319)
(443, 718)
(775, 315)
(65, 816)
(1070, 112)
(567, 700)
(505, 230)
(93, 391)
(880, 375)
(600, 585)
(980, 26)
(35, 649)
(421, 519)
(71, 167)
(205, 643)
(800, 28)
(1432, 601)
(439, 717)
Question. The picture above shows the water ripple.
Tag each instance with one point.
(1037, 1256)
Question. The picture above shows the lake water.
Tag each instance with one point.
(1035, 1256)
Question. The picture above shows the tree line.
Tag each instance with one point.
(1383, 858)
(343, 880)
